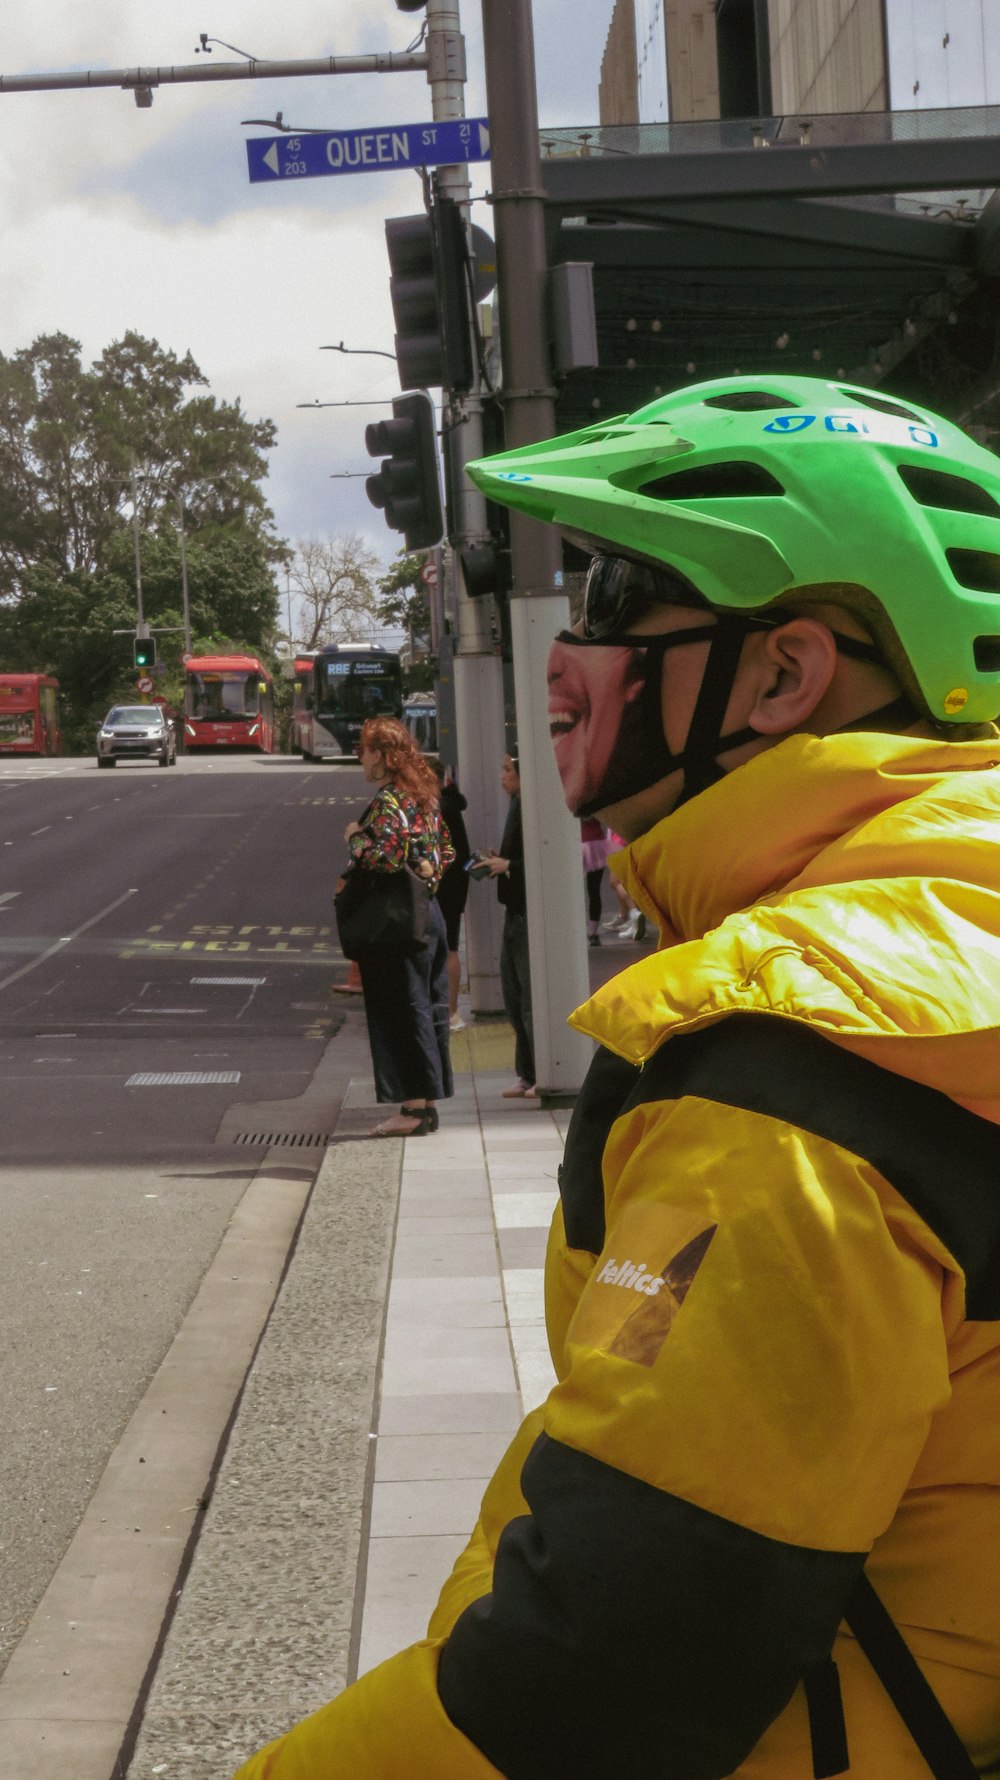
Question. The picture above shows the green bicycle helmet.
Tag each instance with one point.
(764, 490)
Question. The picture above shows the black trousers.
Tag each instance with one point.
(406, 1006)
(515, 983)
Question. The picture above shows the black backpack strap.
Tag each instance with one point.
(904, 1681)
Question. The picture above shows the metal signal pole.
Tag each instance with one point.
(552, 855)
(476, 664)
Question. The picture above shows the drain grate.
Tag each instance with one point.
(300, 1140)
(230, 982)
(183, 1078)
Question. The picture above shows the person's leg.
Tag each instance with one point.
(454, 984)
(383, 984)
(437, 992)
(594, 905)
(515, 982)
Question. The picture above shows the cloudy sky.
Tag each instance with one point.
(117, 218)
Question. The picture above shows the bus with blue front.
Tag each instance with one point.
(344, 684)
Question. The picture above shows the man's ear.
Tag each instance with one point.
(796, 664)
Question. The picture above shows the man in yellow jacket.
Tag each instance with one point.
(754, 1529)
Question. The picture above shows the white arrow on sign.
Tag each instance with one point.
(271, 158)
(484, 141)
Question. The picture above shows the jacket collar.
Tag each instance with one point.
(771, 824)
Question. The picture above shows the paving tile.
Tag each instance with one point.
(437, 1341)
(404, 1579)
(451, 1412)
(411, 1376)
(437, 1312)
(523, 1248)
(524, 1289)
(416, 1507)
(414, 1292)
(462, 1188)
(432, 1254)
(534, 1366)
(468, 1223)
(543, 1166)
(400, 1456)
(522, 1211)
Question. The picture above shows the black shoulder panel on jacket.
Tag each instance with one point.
(632, 1633)
(943, 1160)
(606, 1086)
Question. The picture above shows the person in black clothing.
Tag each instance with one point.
(507, 866)
(453, 889)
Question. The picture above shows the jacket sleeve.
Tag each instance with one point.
(381, 843)
(754, 1363)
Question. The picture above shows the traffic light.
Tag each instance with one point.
(428, 288)
(407, 486)
(144, 652)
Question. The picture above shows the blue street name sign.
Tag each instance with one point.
(368, 151)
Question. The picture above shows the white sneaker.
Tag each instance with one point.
(456, 1023)
(612, 926)
(631, 927)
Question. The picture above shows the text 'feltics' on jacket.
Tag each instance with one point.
(773, 1301)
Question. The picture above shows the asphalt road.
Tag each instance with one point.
(166, 957)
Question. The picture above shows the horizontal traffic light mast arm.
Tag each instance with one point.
(382, 62)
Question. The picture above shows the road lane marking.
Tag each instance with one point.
(7, 897)
(44, 830)
(67, 939)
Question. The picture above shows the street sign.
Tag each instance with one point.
(429, 575)
(444, 144)
(144, 685)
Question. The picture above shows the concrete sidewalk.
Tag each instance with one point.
(405, 1344)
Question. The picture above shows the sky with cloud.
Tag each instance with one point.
(115, 217)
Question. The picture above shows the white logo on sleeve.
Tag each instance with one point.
(632, 1275)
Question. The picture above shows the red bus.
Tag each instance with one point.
(29, 714)
(228, 703)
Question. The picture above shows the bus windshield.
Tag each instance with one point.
(358, 688)
(226, 695)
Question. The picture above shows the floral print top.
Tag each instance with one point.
(395, 831)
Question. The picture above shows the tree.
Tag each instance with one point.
(403, 601)
(70, 439)
(404, 604)
(331, 579)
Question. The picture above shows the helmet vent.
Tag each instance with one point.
(712, 482)
(863, 398)
(748, 401)
(978, 569)
(935, 488)
(987, 654)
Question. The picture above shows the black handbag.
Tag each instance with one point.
(379, 909)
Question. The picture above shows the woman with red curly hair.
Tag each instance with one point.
(406, 992)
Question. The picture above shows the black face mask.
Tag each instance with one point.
(640, 757)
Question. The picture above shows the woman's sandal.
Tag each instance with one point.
(426, 1120)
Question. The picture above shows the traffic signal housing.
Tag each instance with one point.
(144, 652)
(429, 291)
(407, 487)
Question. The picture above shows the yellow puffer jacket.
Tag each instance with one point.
(774, 1313)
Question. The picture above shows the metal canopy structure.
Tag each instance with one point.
(746, 245)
